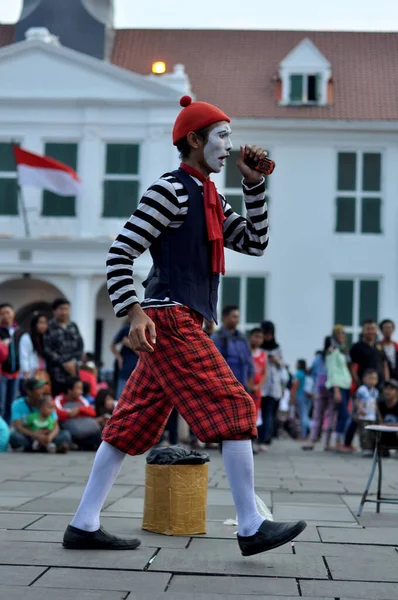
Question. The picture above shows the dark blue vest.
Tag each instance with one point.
(182, 259)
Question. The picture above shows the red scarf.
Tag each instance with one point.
(214, 219)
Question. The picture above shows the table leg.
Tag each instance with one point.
(368, 484)
(380, 478)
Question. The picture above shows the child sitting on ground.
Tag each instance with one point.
(4, 435)
(45, 422)
(104, 406)
(366, 402)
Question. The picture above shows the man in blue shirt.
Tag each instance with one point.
(234, 347)
(21, 435)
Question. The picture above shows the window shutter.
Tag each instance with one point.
(371, 215)
(230, 291)
(8, 181)
(368, 300)
(345, 215)
(343, 302)
(255, 299)
(120, 198)
(296, 88)
(52, 204)
(346, 171)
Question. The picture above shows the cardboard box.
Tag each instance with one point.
(176, 499)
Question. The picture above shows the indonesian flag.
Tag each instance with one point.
(45, 173)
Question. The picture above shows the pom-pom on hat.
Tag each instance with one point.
(195, 116)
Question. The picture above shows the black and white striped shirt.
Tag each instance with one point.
(163, 205)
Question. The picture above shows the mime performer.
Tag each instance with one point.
(185, 224)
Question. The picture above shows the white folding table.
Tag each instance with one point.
(377, 460)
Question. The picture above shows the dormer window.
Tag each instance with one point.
(304, 75)
(304, 89)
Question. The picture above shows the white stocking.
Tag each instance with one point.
(106, 467)
(239, 465)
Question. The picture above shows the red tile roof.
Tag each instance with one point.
(236, 69)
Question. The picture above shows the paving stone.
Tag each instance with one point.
(186, 595)
(16, 521)
(89, 579)
(378, 520)
(200, 546)
(76, 492)
(220, 513)
(306, 498)
(43, 505)
(16, 575)
(322, 485)
(7, 502)
(369, 507)
(365, 569)
(224, 498)
(132, 506)
(211, 568)
(233, 586)
(310, 534)
(263, 483)
(148, 540)
(132, 479)
(230, 561)
(382, 536)
(117, 525)
(54, 477)
(350, 589)
(137, 492)
(30, 593)
(53, 555)
(27, 488)
(312, 513)
(26, 535)
(344, 550)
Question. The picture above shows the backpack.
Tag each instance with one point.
(11, 364)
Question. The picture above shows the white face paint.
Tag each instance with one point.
(218, 146)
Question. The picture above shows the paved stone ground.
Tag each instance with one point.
(337, 557)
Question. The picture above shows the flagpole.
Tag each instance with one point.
(22, 200)
(23, 211)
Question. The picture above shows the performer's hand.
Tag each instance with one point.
(139, 324)
(251, 176)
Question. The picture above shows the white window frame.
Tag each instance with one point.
(356, 328)
(358, 193)
(243, 324)
(304, 99)
(120, 177)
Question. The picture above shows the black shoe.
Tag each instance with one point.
(77, 539)
(270, 535)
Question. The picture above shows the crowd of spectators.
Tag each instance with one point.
(52, 398)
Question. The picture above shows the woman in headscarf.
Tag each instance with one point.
(339, 380)
(272, 388)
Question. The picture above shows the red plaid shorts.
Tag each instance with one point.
(186, 371)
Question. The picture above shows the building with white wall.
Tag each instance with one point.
(323, 105)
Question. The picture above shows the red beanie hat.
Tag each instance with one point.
(195, 116)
